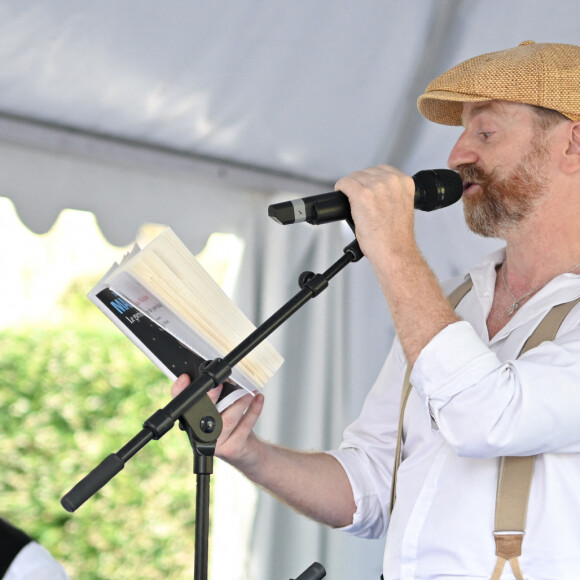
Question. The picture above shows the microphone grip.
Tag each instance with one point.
(336, 207)
(92, 482)
(315, 571)
(316, 209)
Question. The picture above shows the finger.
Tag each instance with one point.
(232, 415)
(359, 181)
(369, 175)
(250, 417)
(214, 394)
(183, 381)
(180, 384)
(241, 416)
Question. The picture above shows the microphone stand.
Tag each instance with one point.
(199, 417)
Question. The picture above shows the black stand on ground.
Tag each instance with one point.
(199, 417)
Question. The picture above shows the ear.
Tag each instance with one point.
(570, 161)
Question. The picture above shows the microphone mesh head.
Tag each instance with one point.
(437, 188)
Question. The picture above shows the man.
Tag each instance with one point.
(473, 400)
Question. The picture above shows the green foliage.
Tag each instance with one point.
(70, 396)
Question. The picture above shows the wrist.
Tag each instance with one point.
(251, 460)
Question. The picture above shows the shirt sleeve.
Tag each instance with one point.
(484, 407)
(34, 562)
(367, 452)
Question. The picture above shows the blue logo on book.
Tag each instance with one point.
(120, 305)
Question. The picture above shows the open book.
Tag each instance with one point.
(163, 299)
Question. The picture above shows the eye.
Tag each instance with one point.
(485, 135)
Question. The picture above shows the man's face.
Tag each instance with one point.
(502, 159)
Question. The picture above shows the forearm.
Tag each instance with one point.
(381, 200)
(417, 304)
(312, 483)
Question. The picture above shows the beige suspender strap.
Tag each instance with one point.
(457, 295)
(398, 450)
(548, 328)
(454, 299)
(513, 490)
(515, 473)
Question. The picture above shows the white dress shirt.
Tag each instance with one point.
(472, 402)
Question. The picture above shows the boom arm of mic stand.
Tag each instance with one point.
(212, 375)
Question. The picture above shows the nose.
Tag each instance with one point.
(462, 152)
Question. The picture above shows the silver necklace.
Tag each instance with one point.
(516, 303)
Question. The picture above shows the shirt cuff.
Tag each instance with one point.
(371, 517)
(455, 359)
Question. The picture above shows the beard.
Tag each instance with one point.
(505, 202)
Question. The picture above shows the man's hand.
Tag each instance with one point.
(237, 443)
(382, 201)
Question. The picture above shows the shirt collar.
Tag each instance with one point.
(562, 288)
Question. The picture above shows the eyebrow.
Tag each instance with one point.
(478, 109)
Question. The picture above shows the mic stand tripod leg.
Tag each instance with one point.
(203, 425)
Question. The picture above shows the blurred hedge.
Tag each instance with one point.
(69, 396)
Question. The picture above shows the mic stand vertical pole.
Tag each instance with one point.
(203, 425)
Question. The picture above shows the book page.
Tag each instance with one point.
(139, 297)
(185, 297)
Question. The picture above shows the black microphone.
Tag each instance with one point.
(315, 571)
(434, 189)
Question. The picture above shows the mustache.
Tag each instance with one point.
(471, 173)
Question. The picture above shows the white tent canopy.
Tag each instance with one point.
(262, 96)
(199, 115)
